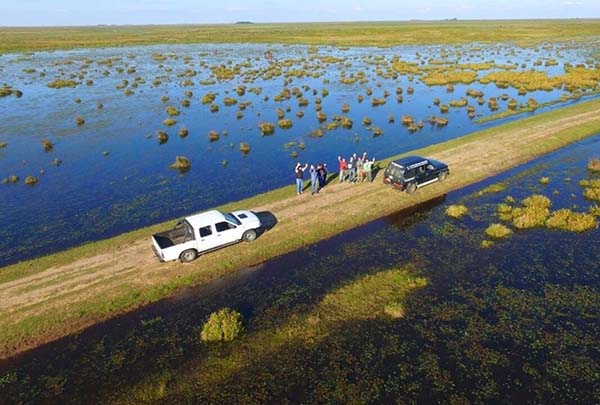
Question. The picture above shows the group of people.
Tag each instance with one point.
(318, 177)
(356, 169)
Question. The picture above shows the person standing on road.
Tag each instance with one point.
(314, 182)
(343, 168)
(351, 170)
(300, 177)
(368, 167)
(322, 171)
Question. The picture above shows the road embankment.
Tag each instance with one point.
(53, 296)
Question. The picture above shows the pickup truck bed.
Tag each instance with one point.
(170, 238)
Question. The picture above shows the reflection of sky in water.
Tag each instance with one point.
(445, 251)
(91, 196)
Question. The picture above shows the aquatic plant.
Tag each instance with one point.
(12, 179)
(532, 104)
(394, 309)
(244, 148)
(594, 165)
(512, 104)
(162, 136)
(544, 180)
(214, 108)
(595, 210)
(208, 98)
(317, 133)
(498, 231)
(60, 83)
(79, 121)
(173, 111)
(436, 101)
(377, 101)
(367, 121)
(31, 180)
(407, 120)
(213, 135)
(444, 108)
(169, 122)
(567, 220)
(56, 162)
(376, 131)
(183, 132)
(222, 326)
(456, 210)
(360, 98)
(459, 103)
(185, 102)
(534, 212)
(486, 244)
(229, 101)
(474, 93)
(410, 90)
(321, 116)
(345, 108)
(47, 144)
(182, 164)
(266, 128)
(441, 122)
(3, 145)
(285, 123)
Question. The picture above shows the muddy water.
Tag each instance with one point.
(92, 195)
(515, 322)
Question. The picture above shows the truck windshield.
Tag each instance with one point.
(231, 218)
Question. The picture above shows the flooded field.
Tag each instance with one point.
(375, 314)
(88, 136)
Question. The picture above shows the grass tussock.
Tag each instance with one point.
(183, 132)
(567, 220)
(285, 123)
(173, 111)
(534, 212)
(266, 128)
(47, 145)
(182, 164)
(594, 164)
(244, 148)
(31, 180)
(456, 210)
(60, 83)
(162, 136)
(545, 180)
(498, 231)
(169, 122)
(222, 326)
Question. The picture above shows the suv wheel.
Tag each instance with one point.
(412, 187)
(442, 176)
(188, 255)
(249, 235)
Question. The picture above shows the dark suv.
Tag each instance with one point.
(411, 172)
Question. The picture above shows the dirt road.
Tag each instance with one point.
(133, 269)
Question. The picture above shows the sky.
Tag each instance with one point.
(86, 12)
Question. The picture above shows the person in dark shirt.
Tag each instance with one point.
(300, 177)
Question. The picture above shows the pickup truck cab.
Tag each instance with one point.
(205, 232)
(412, 172)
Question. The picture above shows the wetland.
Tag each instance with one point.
(89, 137)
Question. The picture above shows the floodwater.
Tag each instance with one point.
(516, 322)
(115, 176)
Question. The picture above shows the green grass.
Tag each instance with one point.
(126, 297)
(22, 39)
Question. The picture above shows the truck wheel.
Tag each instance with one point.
(249, 235)
(412, 187)
(188, 255)
(442, 176)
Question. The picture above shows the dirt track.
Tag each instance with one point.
(135, 267)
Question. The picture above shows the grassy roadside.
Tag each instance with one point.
(47, 323)
(25, 39)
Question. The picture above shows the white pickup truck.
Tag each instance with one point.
(205, 232)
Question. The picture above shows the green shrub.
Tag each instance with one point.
(456, 210)
(498, 231)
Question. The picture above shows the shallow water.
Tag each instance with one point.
(514, 322)
(93, 196)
